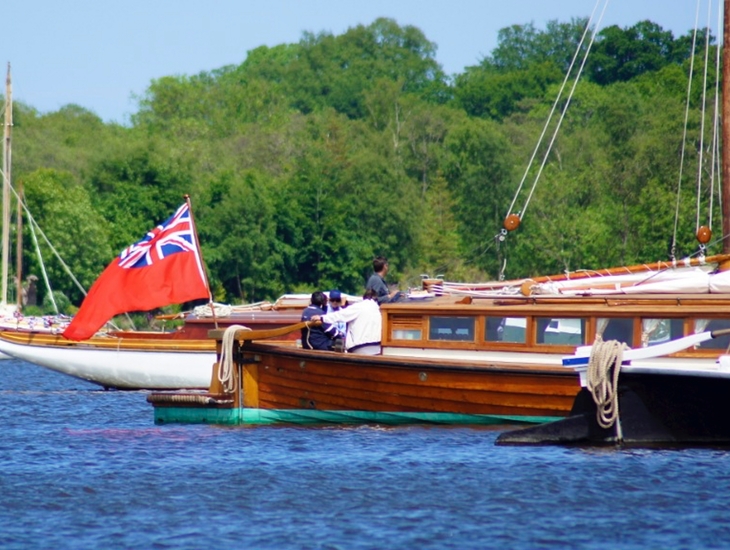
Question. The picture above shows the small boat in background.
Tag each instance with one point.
(152, 360)
(134, 360)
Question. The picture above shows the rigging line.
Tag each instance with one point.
(684, 134)
(565, 109)
(555, 105)
(718, 160)
(53, 248)
(715, 123)
(703, 112)
(43, 269)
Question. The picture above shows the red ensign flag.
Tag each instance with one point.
(163, 268)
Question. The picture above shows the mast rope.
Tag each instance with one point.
(554, 107)
(673, 251)
(716, 128)
(703, 113)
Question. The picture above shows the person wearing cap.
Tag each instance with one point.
(336, 303)
(364, 324)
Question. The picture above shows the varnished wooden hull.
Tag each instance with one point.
(292, 385)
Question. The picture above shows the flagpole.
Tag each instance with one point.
(202, 264)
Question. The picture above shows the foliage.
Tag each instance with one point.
(62, 209)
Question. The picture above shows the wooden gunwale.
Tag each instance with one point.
(136, 344)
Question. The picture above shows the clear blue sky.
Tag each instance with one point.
(99, 54)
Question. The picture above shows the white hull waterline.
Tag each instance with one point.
(121, 368)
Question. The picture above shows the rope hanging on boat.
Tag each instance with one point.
(225, 365)
(602, 382)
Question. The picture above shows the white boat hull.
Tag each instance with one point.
(121, 368)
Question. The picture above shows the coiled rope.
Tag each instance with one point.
(221, 310)
(225, 365)
(602, 382)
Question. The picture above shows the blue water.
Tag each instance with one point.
(85, 468)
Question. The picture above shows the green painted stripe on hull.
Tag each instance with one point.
(197, 415)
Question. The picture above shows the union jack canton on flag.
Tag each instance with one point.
(174, 235)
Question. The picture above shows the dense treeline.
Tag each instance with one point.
(307, 159)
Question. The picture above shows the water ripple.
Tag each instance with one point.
(87, 468)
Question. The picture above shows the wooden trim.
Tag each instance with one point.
(251, 385)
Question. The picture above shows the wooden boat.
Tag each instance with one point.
(467, 359)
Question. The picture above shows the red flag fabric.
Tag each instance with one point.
(163, 268)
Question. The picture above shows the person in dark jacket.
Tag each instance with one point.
(320, 336)
(377, 282)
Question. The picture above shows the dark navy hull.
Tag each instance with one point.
(654, 409)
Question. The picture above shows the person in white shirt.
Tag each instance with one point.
(364, 324)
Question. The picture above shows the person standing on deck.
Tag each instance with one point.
(377, 282)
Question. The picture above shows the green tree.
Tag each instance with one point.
(520, 47)
(62, 209)
(478, 168)
(622, 54)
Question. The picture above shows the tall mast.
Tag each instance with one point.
(6, 188)
(725, 119)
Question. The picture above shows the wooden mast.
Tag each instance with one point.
(725, 119)
(6, 188)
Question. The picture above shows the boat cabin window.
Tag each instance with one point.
(451, 328)
(560, 331)
(506, 329)
(406, 327)
(658, 331)
(719, 342)
(621, 330)
(407, 334)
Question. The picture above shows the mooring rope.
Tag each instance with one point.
(602, 383)
(225, 365)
